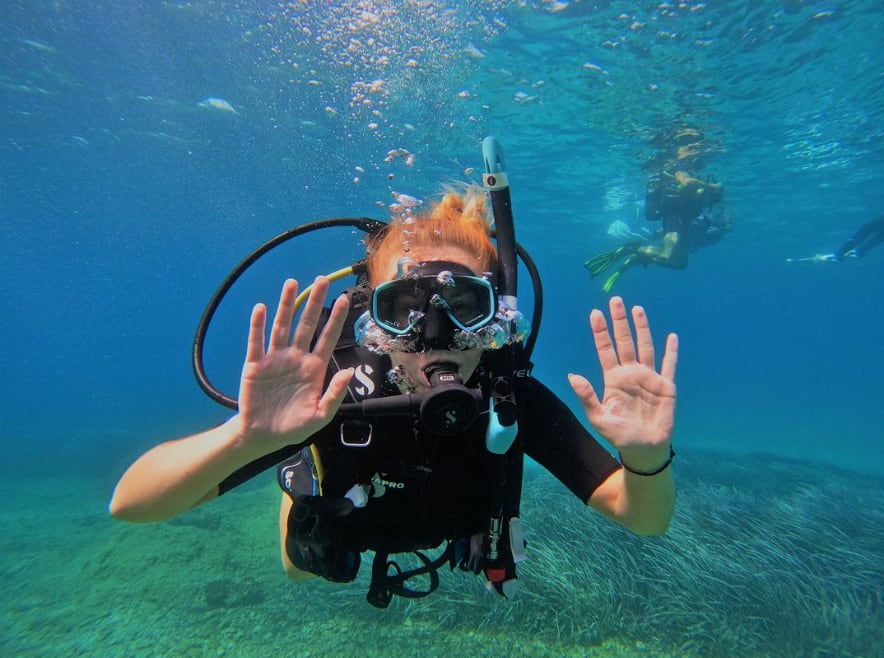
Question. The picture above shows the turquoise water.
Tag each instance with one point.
(144, 150)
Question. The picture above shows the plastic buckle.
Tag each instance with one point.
(358, 438)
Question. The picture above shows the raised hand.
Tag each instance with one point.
(282, 399)
(637, 410)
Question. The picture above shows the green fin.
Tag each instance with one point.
(598, 264)
(611, 280)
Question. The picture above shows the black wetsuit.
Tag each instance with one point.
(676, 206)
(864, 239)
(430, 485)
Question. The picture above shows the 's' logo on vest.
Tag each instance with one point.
(363, 376)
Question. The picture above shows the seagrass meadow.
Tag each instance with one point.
(766, 557)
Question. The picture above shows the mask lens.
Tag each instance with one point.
(397, 305)
(469, 302)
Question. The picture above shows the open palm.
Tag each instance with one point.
(637, 407)
(283, 399)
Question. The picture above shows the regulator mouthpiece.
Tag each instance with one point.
(449, 407)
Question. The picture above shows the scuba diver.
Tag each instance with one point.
(688, 207)
(856, 246)
(398, 417)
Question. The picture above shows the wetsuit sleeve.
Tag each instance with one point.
(559, 442)
(254, 468)
(258, 466)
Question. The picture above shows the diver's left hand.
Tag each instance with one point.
(637, 411)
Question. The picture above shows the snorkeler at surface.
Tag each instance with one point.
(688, 207)
(856, 246)
(403, 483)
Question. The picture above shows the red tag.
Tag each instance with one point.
(495, 575)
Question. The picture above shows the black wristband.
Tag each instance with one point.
(649, 473)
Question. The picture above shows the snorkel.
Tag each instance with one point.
(502, 432)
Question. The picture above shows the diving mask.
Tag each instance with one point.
(438, 305)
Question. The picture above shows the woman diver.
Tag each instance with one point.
(403, 481)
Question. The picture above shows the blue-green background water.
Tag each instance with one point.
(123, 202)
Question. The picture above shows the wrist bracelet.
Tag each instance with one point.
(649, 473)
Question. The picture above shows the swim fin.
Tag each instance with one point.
(598, 264)
(611, 280)
(633, 259)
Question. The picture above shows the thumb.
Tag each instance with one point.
(334, 394)
(585, 392)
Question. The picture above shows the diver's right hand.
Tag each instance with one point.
(282, 399)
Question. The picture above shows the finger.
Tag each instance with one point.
(334, 394)
(643, 339)
(622, 333)
(328, 339)
(282, 323)
(603, 345)
(585, 392)
(670, 357)
(310, 317)
(257, 327)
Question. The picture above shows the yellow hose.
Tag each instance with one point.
(334, 276)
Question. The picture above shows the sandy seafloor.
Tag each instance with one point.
(766, 557)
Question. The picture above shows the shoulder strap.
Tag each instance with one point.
(370, 376)
(503, 544)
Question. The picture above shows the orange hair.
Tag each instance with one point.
(457, 220)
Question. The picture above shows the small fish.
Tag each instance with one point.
(218, 104)
(38, 45)
(595, 67)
